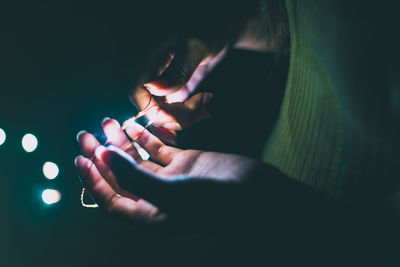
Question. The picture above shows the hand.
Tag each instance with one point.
(184, 187)
(172, 74)
(191, 50)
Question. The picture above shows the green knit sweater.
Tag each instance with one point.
(338, 128)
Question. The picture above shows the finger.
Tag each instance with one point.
(109, 200)
(184, 114)
(113, 132)
(157, 150)
(180, 197)
(166, 135)
(160, 117)
(117, 137)
(157, 63)
(198, 101)
(179, 96)
(187, 58)
(193, 104)
(142, 98)
(133, 178)
(88, 144)
(182, 94)
(99, 189)
(191, 111)
(172, 116)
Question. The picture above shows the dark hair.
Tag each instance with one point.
(275, 17)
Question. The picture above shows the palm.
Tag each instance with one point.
(181, 164)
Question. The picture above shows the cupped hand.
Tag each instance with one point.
(187, 187)
(173, 72)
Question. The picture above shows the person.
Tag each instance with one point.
(325, 192)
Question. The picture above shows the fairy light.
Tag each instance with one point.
(142, 153)
(29, 142)
(85, 205)
(2, 136)
(50, 170)
(51, 196)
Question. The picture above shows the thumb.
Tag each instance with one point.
(191, 111)
(187, 58)
(132, 177)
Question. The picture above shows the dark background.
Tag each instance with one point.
(66, 65)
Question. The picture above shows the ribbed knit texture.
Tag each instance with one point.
(339, 118)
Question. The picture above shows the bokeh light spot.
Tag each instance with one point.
(29, 142)
(50, 170)
(2, 136)
(51, 196)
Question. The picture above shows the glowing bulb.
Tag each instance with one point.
(154, 90)
(2, 136)
(142, 153)
(51, 196)
(50, 170)
(29, 142)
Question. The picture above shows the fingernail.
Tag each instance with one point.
(76, 160)
(206, 98)
(104, 120)
(157, 88)
(99, 150)
(79, 134)
(129, 123)
(150, 87)
(172, 126)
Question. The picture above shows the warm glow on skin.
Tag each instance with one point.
(129, 123)
(178, 96)
(110, 132)
(155, 90)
